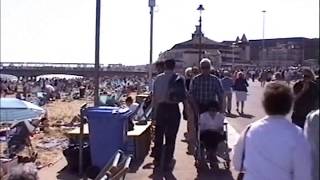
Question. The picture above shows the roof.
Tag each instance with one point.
(244, 38)
(194, 43)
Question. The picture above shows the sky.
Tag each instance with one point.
(63, 31)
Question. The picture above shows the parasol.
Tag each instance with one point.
(13, 110)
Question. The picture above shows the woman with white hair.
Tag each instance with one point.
(188, 76)
(186, 113)
(227, 83)
(240, 88)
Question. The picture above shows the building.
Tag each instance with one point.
(241, 52)
(220, 53)
(284, 51)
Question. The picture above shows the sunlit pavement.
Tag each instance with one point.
(184, 167)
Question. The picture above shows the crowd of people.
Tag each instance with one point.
(269, 148)
(42, 90)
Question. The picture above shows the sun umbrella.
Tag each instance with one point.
(13, 110)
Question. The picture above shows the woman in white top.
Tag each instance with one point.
(274, 148)
(211, 129)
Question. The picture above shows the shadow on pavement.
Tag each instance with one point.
(231, 115)
(136, 165)
(157, 175)
(248, 116)
(65, 174)
(220, 174)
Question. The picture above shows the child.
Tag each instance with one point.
(211, 129)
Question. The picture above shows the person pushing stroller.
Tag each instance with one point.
(210, 124)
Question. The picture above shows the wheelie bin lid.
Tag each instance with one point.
(108, 110)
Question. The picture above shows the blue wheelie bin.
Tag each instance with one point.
(107, 132)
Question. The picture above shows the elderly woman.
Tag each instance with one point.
(187, 115)
(240, 88)
(227, 84)
(272, 147)
(188, 76)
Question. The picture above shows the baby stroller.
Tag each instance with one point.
(222, 153)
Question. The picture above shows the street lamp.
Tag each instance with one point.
(97, 56)
(152, 4)
(200, 9)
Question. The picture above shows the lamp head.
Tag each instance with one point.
(200, 8)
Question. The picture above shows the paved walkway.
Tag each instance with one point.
(184, 168)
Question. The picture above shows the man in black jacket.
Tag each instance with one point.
(306, 93)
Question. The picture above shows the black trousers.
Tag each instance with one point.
(167, 125)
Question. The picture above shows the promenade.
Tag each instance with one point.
(184, 167)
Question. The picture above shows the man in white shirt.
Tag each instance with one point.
(273, 148)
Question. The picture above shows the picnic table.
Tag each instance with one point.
(139, 139)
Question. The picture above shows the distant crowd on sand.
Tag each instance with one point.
(42, 90)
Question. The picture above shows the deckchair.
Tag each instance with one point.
(116, 168)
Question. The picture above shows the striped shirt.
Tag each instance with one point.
(206, 88)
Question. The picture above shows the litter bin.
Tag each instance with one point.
(107, 132)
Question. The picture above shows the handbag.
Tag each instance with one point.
(241, 174)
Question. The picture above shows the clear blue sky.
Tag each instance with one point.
(64, 30)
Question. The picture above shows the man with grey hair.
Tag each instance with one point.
(26, 171)
(205, 87)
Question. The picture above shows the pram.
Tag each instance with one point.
(222, 153)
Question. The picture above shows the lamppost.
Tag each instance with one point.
(200, 9)
(263, 26)
(97, 54)
(152, 4)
